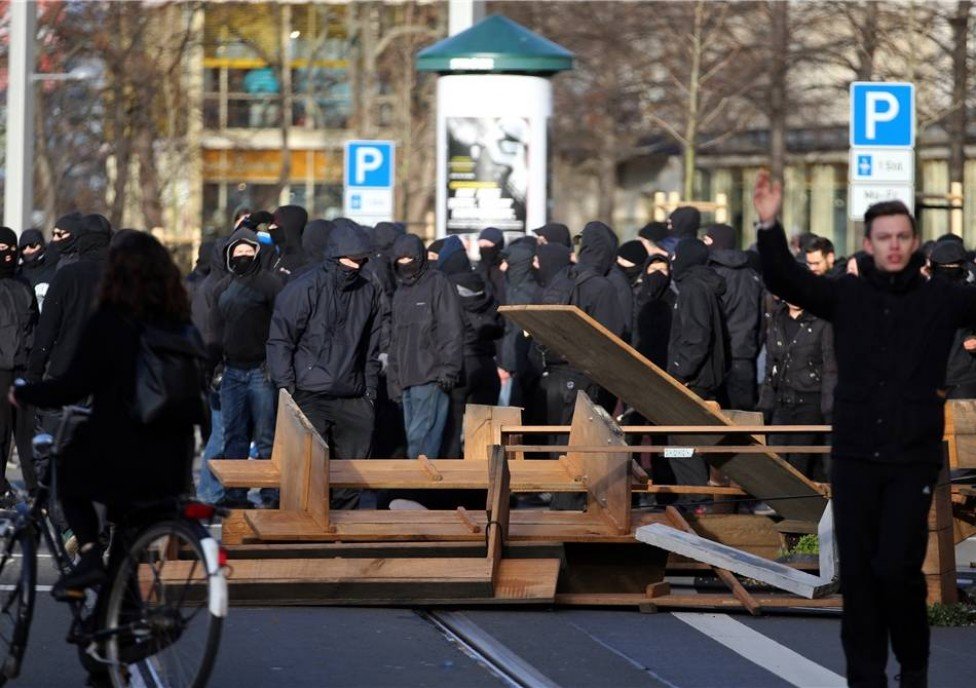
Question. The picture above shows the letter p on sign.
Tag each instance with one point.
(876, 113)
(369, 164)
(882, 114)
(368, 159)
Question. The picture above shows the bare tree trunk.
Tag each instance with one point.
(869, 41)
(960, 82)
(691, 124)
(152, 194)
(43, 165)
(778, 69)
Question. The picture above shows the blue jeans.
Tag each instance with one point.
(209, 488)
(425, 410)
(247, 402)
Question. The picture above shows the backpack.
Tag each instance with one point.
(170, 381)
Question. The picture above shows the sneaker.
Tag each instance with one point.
(87, 573)
(763, 509)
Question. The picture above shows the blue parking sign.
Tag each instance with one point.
(882, 114)
(369, 164)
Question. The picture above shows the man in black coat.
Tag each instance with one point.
(948, 261)
(38, 263)
(893, 330)
(241, 317)
(521, 288)
(201, 269)
(65, 233)
(491, 243)
(324, 345)
(654, 300)
(18, 315)
(426, 346)
(286, 232)
(742, 308)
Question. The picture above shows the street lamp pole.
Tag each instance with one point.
(19, 183)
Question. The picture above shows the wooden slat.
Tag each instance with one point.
(744, 429)
(482, 428)
(675, 601)
(616, 366)
(497, 514)
(246, 473)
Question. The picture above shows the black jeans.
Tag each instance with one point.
(881, 522)
(347, 427)
(560, 384)
(814, 466)
(740, 384)
(481, 386)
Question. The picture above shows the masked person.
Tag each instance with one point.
(554, 233)
(65, 233)
(202, 268)
(893, 332)
(948, 262)
(243, 303)
(286, 229)
(324, 345)
(38, 263)
(18, 315)
(426, 346)
(491, 243)
(521, 288)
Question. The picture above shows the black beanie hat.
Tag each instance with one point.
(722, 236)
(654, 231)
(948, 252)
(633, 251)
(685, 221)
(687, 254)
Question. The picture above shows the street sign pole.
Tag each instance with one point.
(18, 195)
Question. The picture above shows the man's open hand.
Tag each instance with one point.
(767, 197)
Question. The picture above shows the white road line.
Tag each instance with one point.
(778, 659)
(38, 588)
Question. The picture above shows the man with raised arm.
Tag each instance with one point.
(893, 329)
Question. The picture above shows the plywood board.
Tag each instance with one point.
(482, 427)
(616, 366)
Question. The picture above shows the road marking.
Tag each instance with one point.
(38, 588)
(778, 659)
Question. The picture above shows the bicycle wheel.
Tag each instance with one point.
(18, 575)
(165, 607)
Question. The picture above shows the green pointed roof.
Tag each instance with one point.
(494, 45)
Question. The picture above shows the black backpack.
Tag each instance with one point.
(170, 381)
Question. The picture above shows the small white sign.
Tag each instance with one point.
(882, 165)
(861, 196)
(679, 452)
(368, 206)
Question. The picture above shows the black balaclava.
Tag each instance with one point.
(555, 233)
(29, 238)
(685, 222)
(242, 266)
(687, 254)
(491, 255)
(290, 221)
(552, 259)
(71, 223)
(8, 257)
(446, 257)
(722, 236)
(634, 252)
(315, 239)
(347, 240)
(384, 234)
(654, 231)
(95, 234)
(598, 247)
(435, 246)
(948, 258)
(409, 246)
(519, 255)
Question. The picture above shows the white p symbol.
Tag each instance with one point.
(368, 159)
(873, 115)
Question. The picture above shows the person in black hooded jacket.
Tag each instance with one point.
(286, 231)
(324, 345)
(426, 346)
(948, 262)
(38, 263)
(64, 234)
(384, 234)
(202, 268)
(18, 315)
(654, 300)
(491, 243)
(521, 288)
(742, 306)
(554, 233)
(241, 317)
(602, 239)
(483, 326)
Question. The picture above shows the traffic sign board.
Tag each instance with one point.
(369, 173)
(882, 114)
(882, 165)
(863, 196)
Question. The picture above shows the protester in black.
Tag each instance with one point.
(426, 346)
(201, 269)
(324, 345)
(893, 331)
(491, 243)
(286, 229)
(65, 233)
(554, 233)
(948, 261)
(654, 301)
(18, 315)
(521, 288)
(118, 460)
(798, 387)
(742, 309)
(38, 263)
(243, 303)
(483, 326)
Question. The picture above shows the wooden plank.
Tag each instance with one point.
(616, 366)
(497, 509)
(727, 601)
(245, 473)
(526, 580)
(960, 432)
(319, 470)
(607, 475)
(739, 429)
(724, 575)
(482, 427)
(235, 530)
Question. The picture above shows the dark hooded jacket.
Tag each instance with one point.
(70, 299)
(601, 240)
(654, 301)
(384, 234)
(490, 264)
(521, 288)
(201, 307)
(38, 269)
(73, 223)
(427, 336)
(315, 240)
(892, 336)
(243, 304)
(325, 334)
(483, 325)
(698, 349)
(202, 268)
(593, 291)
(289, 223)
(18, 308)
(742, 300)
(555, 233)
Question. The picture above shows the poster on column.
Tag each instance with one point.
(487, 173)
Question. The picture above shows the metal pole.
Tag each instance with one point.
(463, 14)
(19, 183)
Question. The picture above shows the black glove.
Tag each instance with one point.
(446, 382)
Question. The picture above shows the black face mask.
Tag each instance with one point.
(408, 270)
(490, 254)
(32, 258)
(632, 273)
(953, 273)
(240, 265)
(66, 244)
(8, 262)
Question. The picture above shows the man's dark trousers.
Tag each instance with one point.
(881, 521)
(740, 384)
(802, 409)
(346, 424)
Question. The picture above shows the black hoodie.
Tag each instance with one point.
(698, 353)
(289, 223)
(654, 301)
(592, 290)
(621, 285)
(242, 308)
(427, 338)
(201, 269)
(741, 302)
(325, 334)
(18, 308)
(70, 299)
(202, 304)
(39, 268)
(482, 322)
(522, 288)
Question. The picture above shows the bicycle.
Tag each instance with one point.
(156, 619)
